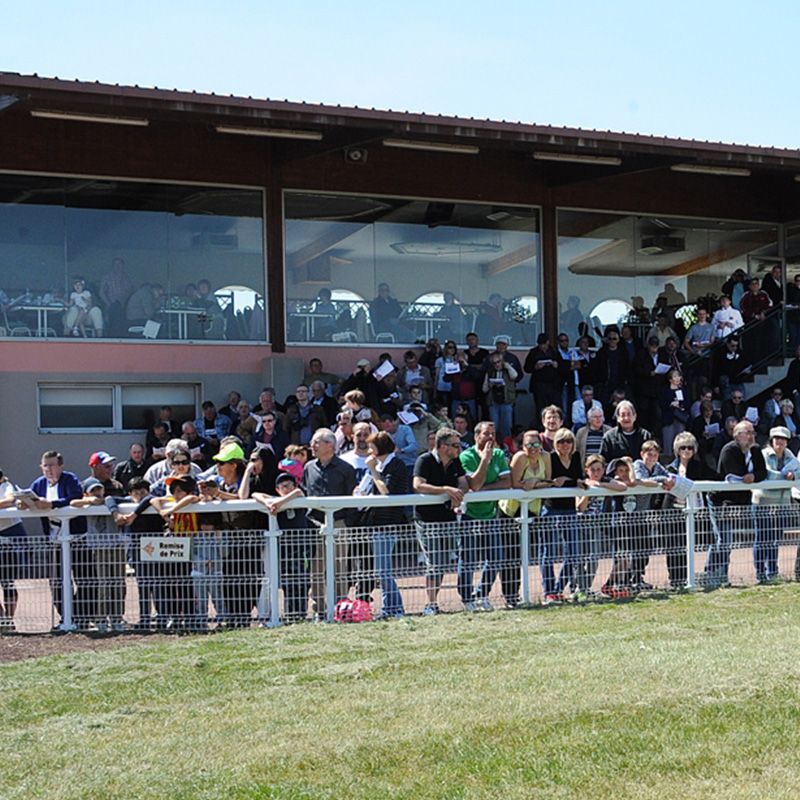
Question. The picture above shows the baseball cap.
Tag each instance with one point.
(362, 362)
(780, 431)
(231, 452)
(284, 477)
(91, 483)
(187, 482)
(100, 457)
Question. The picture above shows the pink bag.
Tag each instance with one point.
(348, 610)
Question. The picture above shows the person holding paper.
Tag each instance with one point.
(500, 390)
(541, 364)
(699, 340)
(650, 383)
(688, 468)
(705, 429)
(674, 410)
(773, 514)
(412, 373)
(198, 446)
(743, 459)
(448, 370)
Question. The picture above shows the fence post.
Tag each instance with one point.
(273, 566)
(525, 552)
(65, 540)
(690, 511)
(330, 565)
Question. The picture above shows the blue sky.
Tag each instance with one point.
(723, 71)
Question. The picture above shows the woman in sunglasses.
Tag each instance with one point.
(530, 469)
(687, 465)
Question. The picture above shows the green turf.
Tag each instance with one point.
(695, 697)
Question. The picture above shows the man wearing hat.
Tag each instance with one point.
(773, 506)
(102, 466)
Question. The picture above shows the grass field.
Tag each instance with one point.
(695, 696)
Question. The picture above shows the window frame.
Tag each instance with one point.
(261, 189)
(116, 402)
(287, 190)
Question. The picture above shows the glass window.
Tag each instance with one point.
(102, 258)
(413, 269)
(113, 407)
(76, 407)
(618, 268)
(139, 402)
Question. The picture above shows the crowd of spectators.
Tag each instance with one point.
(443, 422)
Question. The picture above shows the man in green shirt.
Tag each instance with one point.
(487, 468)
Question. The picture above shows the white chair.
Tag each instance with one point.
(386, 337)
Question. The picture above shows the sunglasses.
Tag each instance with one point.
(686, 447)
(533, 445)
(179, 461)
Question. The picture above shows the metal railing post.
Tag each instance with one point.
(328, 532)
(691, 535)
(273, 557)
(525, 552)
(65, 540)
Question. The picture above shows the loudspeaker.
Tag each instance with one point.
(356, 155)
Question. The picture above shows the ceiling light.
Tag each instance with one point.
(437, 250)
(436, 147)
(274, 133)
(69, 116)
(733, 172)
(609, 161)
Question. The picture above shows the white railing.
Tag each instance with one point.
(328, 506)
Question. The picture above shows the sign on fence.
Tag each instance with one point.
(165, 548)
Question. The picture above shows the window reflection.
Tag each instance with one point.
(626, 269)
(420, 268)
(150, 258)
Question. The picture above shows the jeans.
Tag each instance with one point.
(481, 549)
(383, 549)
(770, 522)
(502, 415)
(559, 526)
(207, 576)
(589, 532)
(724, 519)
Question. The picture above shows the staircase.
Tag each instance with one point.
(762, 381)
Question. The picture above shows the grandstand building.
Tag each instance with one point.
(223, 241)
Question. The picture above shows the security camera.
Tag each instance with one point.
(355, 155)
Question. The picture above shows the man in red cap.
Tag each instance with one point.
(102, 465)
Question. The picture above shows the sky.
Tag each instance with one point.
(708, 70)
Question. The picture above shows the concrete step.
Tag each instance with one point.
(765, 380)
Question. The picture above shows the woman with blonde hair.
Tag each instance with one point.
(530, 469)
(566, 471)
(686, 465)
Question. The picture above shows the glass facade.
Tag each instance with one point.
(616, 268)
(101, 258)
(399, 271)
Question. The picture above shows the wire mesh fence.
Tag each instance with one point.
(303, 570)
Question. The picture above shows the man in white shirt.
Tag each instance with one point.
(357, 457)
(726, 319)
